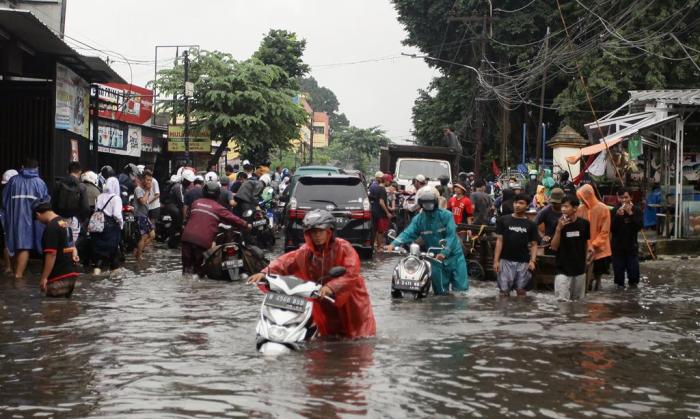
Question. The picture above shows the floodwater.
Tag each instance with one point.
(149, 343)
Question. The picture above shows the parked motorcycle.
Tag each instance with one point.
(412, 275)
(285, 314)
(169, 227)
(232, 258)
(130, 231)
(262, 234)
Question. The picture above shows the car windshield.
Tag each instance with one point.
(409, 169)
(321, 192)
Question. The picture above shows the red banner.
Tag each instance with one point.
(127, 103)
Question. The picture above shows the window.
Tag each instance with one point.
(319, 129)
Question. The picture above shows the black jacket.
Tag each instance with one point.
(624, 230)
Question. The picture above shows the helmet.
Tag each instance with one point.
(188, 175)
(285, 172)
(420, 178)
(9, 174)
(90, 177)
(265, 179)
(199, 178)
(427, 198)
(211, 177)
(107, 172)
(175, 178)
(444, 180)
(533, 172)
(211, 190)
(141, 168)
(131, 169)
(470, 174)
(319, 219)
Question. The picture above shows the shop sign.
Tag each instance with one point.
(126, 102)
(119, 139)
(200, 141)
(72, 102)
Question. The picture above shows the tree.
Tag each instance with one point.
(242, 100)
(282, 49)
(357, 147)
(321, 99)
(618, 45)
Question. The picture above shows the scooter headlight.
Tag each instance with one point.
(277, 333)
(412, 265)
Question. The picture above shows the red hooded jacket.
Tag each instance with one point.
(351, 315)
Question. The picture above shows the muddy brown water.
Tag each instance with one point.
(149, 343)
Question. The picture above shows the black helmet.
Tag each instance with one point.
(211, 190)
(107, 172)
(444, 180)
(319, 219)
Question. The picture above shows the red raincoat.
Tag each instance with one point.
(351, 315)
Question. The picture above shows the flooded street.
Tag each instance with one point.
(150, 343)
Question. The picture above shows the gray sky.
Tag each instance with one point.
(337, 31)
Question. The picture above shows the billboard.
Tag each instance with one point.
(72, 102)
(126, 102)
(119, 139)
(200, 141)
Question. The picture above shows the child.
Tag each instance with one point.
(570, 242)
(626, 223)
(516, 248)
(58, 274)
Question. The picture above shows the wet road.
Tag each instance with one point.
(149, 343)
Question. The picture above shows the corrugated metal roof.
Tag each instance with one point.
(681, 97)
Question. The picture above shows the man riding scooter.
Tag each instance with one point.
(351, 314)
(433, 225)
(203, 225)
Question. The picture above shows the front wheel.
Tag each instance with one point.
(475, 270)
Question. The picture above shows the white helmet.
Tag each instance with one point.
(199, 177)
(211, 177)
(90, 177)
(266, 179)
(188, 175)
(427, 197)
(175, 178)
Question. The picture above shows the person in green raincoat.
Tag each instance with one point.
(548, 182)
(432, 225)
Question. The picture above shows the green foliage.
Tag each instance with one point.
(357, 148)
(236, 99)
(282, 49)
(321, 99)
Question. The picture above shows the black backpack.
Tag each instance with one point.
(67, 199)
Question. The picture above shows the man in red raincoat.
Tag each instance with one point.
(351, 315)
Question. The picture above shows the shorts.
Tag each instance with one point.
(62, 287)
(145, 226)
(568, 288)
(381, 225)
(513, 275)
(154, 213)
(601, 266)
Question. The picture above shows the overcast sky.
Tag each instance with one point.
(380, 92)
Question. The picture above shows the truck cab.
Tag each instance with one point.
(408, 168)
(405, 162)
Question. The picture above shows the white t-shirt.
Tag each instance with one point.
(155, 189)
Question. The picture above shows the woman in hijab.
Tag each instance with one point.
(106, 244)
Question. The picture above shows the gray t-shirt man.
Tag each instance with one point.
(140, 210)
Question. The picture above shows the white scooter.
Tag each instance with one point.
(285, 314)
(412, 275)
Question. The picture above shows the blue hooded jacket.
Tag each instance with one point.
(22, 231)
(432, 227)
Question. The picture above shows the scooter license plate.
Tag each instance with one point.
(129, 218)
(259, 223)
(167, 218)
(285, 302)
(407, 285)
(232, 263)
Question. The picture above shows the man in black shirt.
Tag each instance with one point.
(58, 274)
(570, 242)
(516, 248)
(550, 215)
(626, 222)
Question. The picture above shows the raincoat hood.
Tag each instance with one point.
(310, 243)
(587, 195)
(29, 173)
(111, 186)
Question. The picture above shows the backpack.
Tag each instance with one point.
(68, 199)
(97, 219)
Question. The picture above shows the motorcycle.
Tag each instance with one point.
(232, 258)
(169, 227)
(262, 234)
(285, 313)
(130, 231)
(412, 275)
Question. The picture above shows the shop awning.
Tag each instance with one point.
(619, 136)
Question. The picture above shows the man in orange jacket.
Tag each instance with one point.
(351, 314)
(598, 215)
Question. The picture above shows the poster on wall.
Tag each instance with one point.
(119, 139)
(691, 166)
(200, 141)
(126, 102)
(74, 150)
(72, 102)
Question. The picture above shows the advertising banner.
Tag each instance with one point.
(72, 102)
(126, 102)
(119, 139)
(200, 141)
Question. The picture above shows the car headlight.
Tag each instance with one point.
(412, 265)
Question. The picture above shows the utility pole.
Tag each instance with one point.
(486, 22)
(311, 141)
(539, 147)
(187, 92)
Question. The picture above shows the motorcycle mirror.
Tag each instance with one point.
(248, 213)
(391, 234)
(337, 271)
(443, 243)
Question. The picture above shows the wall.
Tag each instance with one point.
(51, 12)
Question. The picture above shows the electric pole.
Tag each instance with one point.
(188, 93)
(539, 151)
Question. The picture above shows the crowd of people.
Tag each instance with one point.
(544, 216)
